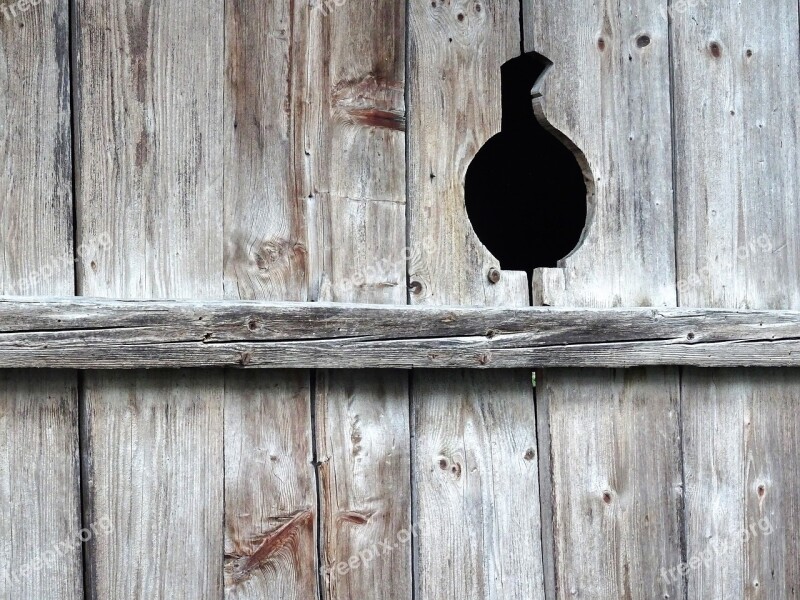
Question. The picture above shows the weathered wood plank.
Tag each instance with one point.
(102, 334)
(476, 456)
(356, 185)
(155, 477)
(151, 321)
(475, 486)
(149, 177)
(270, 488)
(364, 461)
(737, 78)
(609, 94)
(270, 484)
(456, 353)
(40, 550)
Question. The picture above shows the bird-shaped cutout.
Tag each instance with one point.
(525, 190)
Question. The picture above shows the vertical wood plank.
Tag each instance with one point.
(355, 182)
(364, 454)
(612, 458)
(270, 488)
(40, 549)
(150, 178)
(474, 471)
(320, 127)
(270, 483)
(736, 83)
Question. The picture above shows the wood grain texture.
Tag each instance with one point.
(212, 321)
(475, 485)
(617, 510)
(102, 334)
(736, 81)
(149, 178)
(270, 488)
(40, 553)
(608, 97)
(356, 185)
(154, 476)
(270, 484)
(609, 94)
(456, 353)
(364, 461)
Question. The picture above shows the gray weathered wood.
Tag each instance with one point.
(474, 480)
(213, 321)
(353, 127)
(608, 93)
(102, 334)
(270, 483)
(40, 552)
(737, 79)
(149, 178)
(270, 489)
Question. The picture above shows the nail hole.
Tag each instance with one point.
(643, 41)
(715, 49)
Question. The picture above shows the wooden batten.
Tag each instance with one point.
(106, 334)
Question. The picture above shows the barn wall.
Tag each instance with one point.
(473, 434)
(736, 79)
(298, 151)
(39, 456)
(611, 439)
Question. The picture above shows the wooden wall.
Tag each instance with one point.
(297, 150)
(674, 483)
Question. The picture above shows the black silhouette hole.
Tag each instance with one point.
(525, 190)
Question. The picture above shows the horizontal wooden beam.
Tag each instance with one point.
(78, 333)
